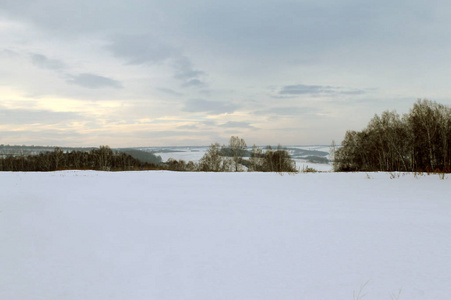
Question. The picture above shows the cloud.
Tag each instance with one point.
(43, 137)
(44, 62)
(188, 127)
(165, 134)
(186, 70)
(147, 49)
(92, 81)
(30, 116)
(8, 53)
(187, 73)
(193, 82)
(302, 89)
(141, 49)
(208, 123)
(169, 91)
(235, 124)
(212, 107)
(353, 92)
(205, 92)
(285, 111)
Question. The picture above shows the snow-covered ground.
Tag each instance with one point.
(166, 235)
(302, 164)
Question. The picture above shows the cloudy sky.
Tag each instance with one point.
(152, 73)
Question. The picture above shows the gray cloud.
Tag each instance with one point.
(186, 70)
(44, 137)
(141, 49)
(147, 49)
(271, 28)
(92, 81)
(188, 127)
(8, 53)
(169, 91)
(165, 134)
(302, 89)
(209, 123)
(189, 74)
(285, 111)
(193, 82)
(258, 27)
(212, 107)
(353, 92)
(205, 92)
(73, 18)
(44, 62)
(30, 116)
(186, 73)
(235, 124)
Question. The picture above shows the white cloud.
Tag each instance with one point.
(212, 107)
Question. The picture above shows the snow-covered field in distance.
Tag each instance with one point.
(179, 235)
(195, 153)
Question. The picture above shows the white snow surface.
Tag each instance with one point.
(168, 235)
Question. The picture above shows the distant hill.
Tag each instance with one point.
(17, 150)
(302, 153)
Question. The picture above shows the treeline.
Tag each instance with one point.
(103, 158)
(231, 159)
(30, 150)
(217, 159)
(143, 156)
(417, 141)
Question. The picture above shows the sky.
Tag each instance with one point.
(172, 73)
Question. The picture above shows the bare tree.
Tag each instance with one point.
(332, 149)
(238, 148)
(211, 161)
(419, 141)
(256, 159)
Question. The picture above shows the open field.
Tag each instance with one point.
(168, 235)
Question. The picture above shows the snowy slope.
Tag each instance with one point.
(163, 235)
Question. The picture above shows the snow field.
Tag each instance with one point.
(168, 235)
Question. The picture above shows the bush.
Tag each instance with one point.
(271, 160)
(307, 169)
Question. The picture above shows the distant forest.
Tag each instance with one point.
(416, 142)
(102, 158)
(217, 159)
